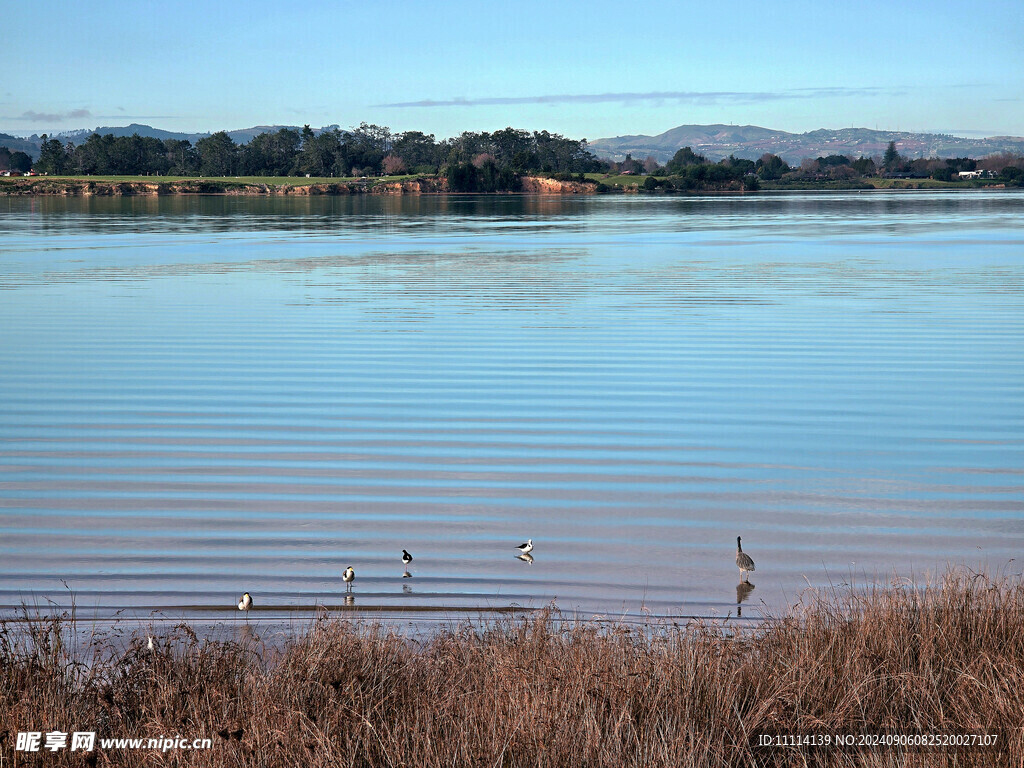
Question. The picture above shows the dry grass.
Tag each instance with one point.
(946, 659)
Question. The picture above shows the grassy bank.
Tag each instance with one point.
(291, 181)
(635, 183)
(947, 659)
(107, 186)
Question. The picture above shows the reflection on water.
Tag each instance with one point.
(201, 395)
(743, 590)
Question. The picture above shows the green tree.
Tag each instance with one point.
(322, 154)
(833, 160)
(419, 151)
(739, 166)
(683, 159)
(21, 162)
(218, 155)
(93, 156)
(865, 166)
(270, 154)
(462, 177)
(53, 157)
(182, 158)
(511, 146)
(557, 154)
(891, 160)
(771, 167)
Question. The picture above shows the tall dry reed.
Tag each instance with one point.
(943, 659)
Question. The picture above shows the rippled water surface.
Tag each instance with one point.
(205, 395)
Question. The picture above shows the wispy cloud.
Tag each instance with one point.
(688, 97)
(53, 117)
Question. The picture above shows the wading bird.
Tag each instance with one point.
(245, 603)
(743, 561)
(406, 558)
(525, 549)
(348, 577)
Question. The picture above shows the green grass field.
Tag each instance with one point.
(241, 180)
(616, 181)
(880, 183)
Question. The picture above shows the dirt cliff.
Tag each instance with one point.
(533, 185)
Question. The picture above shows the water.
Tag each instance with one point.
(201, 396)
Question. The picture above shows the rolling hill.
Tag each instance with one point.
(751, 141)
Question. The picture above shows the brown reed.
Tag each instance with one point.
(944, 658)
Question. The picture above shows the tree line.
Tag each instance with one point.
(472, 162)
(476, 161)
(688, 170)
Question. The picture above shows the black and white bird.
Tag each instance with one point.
(525, 549)
(245, 603)
(743, 561)
(406, 558)
(348, 577)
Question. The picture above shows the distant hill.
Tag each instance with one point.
(751, 141)
(142, 130)
(245, 135)
(29, 146)
(240, 136)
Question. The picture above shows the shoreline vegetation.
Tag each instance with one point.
(372, 159)
(588, 184)
(942, 660)
(124, 186)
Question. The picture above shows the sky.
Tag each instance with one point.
(585, 70)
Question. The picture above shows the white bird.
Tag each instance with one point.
(245, 603)
(743, 561)
(525, 549)
(151, 646)
(406, 558)
(348, 576)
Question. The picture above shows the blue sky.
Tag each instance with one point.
(586, 70)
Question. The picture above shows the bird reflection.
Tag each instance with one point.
(406, 575)
(526, 557)
(350, 599)
(743, 590)
(406, 589)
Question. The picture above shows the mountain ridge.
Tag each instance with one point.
(718, 140)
